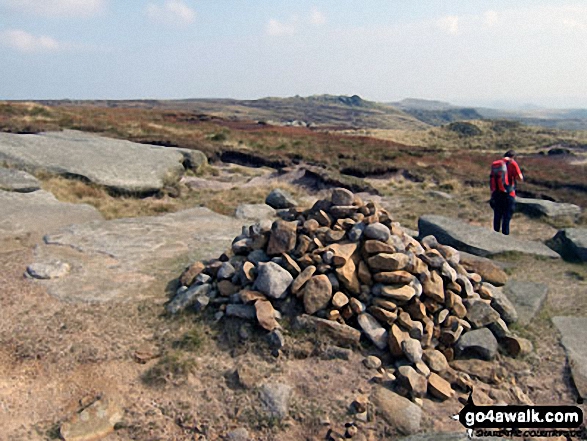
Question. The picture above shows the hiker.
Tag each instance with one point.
(504, 175)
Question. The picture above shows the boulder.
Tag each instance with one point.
(489, 270)
(527, 298)
(573, 242)
(280, 199)
(49, 270)
(272, 280)
(573, 336)
(274, 398)
(399, 412)
(478, 342)
(17, 180)
(541, 207)
(93, 422)
(476, 240)
(119, 165)
(317, 293)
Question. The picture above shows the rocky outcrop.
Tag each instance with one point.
(478, 240)
(541, 207)
(118, 165)
(574, 334)
(19, 181)
(572, 243)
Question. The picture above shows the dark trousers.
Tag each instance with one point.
(503, 210)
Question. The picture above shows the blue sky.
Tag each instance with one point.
(467, 52)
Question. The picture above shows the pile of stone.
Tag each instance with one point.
(345, 267)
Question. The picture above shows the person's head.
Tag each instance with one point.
(509, 154)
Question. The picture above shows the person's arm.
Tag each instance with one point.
(518, 171)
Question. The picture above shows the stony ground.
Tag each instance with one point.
(189, 378)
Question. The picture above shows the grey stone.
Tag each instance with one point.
(397, 411)
(480, 314)
(49, 270)
(480, 342)
(280, 199)
(356, 232)
(258, 256)
(39, 213)
(272, 280)
(441, 194)
(373, 329)
(255, 212)
(17, 180)
(246, 312)
(573, 242)
(343, 335)
(226, 271)
(412, 350)
(372, 362)
(119, 165)
(540, 207)
(276, 339)
(502, 304)
(187, 298)
(132, 258)
(377, 231)
(574, 334)
(342, 197)
(476, 240)
(240, 434)
(275, 399)
(527, 298)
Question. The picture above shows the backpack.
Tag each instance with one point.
(498, 178)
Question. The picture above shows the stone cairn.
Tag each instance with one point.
(355, 272)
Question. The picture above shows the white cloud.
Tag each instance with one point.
(449, 24)
(171, 12)
(276, 28)
(317, 18)
(56, 8)
(23, 41)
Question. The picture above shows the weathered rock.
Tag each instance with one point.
(516, 346)
(276, 339)
(377, 231)
(274, 398)
(400, 277)
(266, 315)
(189, 275)
(527, 298)
(399, 412)
(433, 286)
(486, 268)
(94, 422)
(541, 207)
(402, 294)
(343, 335)
(435, 360)
(39, 213)
(317, 293)
(478, 240)
(342, 197)
(574, 334)
(302, 278)
(414, 383)
(483, 370)
(573, 242)
(372, 362)
(280, 199)
(412, 350)
(502, 304)
(247, 312)
(283, 238)
(254, 212)
(479, 342)
(439, 387)
(396, 338)
(49, 270)
(371, 327)
(120, 165)
(480, 314)
(348, 277)
(388, 262)
(18, 181)
(339, 300)
(272, 280)
(376, 246)
(226, 271)
(187, 298)
(240, 434)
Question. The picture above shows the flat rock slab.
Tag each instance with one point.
(574, 334)
(134, 258)
(541, 207)
(17, 180)
(119, 165)
(39, 212)
(527, 298)
(478, 240)
(573, 242)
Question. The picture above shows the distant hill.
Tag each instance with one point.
(436, 113)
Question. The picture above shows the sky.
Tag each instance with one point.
(469, 52)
